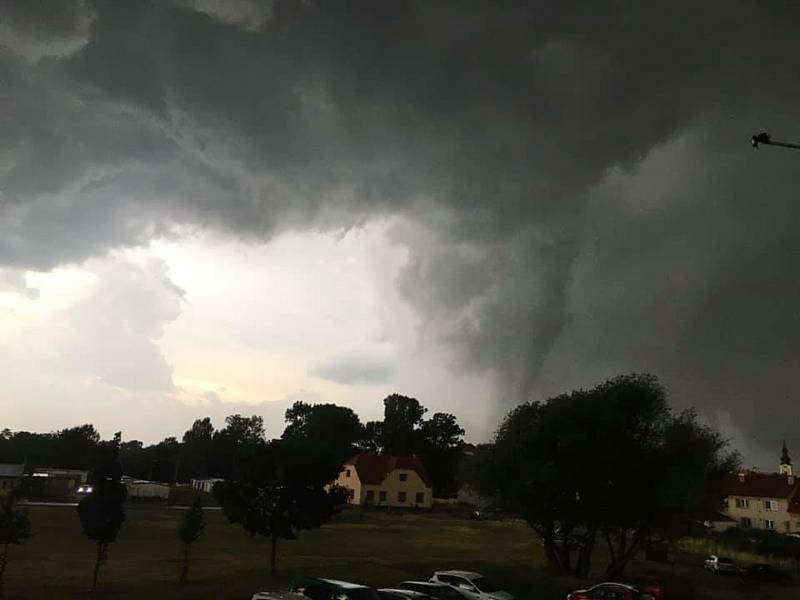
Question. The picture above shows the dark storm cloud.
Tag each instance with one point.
(496, 128)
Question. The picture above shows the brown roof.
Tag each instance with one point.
(761, 485)
(373, 469)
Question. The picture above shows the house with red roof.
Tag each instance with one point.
(382, 480)
(765, 500)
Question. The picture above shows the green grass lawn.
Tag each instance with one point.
(372, 547)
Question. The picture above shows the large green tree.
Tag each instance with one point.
(401, 417)
(197, 451)
(239, 433)
(269, 494)
(439, 442)
(321, 437)
(611, 464)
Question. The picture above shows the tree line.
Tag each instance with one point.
(204, 451)
(611, 466)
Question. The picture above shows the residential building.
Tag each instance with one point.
(765, 500)
(10, 477)
(380, 480)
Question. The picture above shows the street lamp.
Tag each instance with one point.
(764, 138)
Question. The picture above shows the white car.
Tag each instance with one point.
(401, 594)
(470, 585)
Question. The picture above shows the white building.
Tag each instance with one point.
(139, 488)
(205, 485)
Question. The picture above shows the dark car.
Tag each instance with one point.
(440, 591)
(764, 573)
(610, 591)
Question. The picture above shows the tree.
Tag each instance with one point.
(239, 432)
(189, 531)
(202, 430)
(372, 437)
(401, 416)
(165, 460)
(611, 463)
(321, 437)
(102, 512)
(74, 447)
(439, 442)
(14, 527)
(268, 495)
(197, 452)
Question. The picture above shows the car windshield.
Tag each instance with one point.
(485, 585)
(725, 560)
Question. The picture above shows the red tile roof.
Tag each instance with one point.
(373, 469)
(761, 485)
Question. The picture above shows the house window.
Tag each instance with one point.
(420, 497)
(382, 496)
(742, 503)
(746, 522)
(347, 472)
(770, 505)
(370, 496)
(769, 524)
(401, 496)
(403, 476)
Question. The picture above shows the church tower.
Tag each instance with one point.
(786, 461)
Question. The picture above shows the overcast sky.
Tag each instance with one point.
(217, 206)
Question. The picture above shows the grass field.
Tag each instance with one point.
(371, 547)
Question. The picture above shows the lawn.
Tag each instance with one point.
(373, 547)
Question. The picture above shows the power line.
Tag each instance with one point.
(764, 138)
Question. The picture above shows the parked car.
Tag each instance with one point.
(400, 594)
(764, 573)
(473, 586)
(647, 584)
(720, 564)
(610, 591)
(318, 588)
(440, 591)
